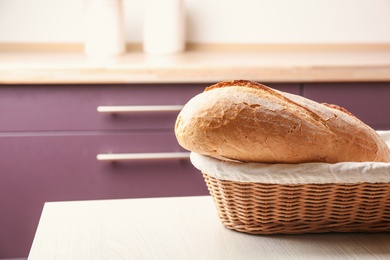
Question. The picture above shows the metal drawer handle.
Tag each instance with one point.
(142, 156)
(132, 109)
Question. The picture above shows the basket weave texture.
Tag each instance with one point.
(259, 208)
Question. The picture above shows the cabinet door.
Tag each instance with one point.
(56, 167)
(370, 102)
(74, 107)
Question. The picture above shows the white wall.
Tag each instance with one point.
(213, 21)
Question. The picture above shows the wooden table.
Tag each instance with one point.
(178, 228)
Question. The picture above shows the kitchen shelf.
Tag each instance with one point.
(199, 65)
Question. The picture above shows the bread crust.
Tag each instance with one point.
(250, 122)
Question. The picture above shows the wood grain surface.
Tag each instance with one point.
(198, 64)
(179, 228)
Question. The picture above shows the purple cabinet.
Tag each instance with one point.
(36, 169)
(370, 102)
(49, 139)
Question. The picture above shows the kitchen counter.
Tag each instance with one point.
(179, 228)
(264, 64)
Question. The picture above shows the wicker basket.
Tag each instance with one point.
(301, 198)
(258, 208)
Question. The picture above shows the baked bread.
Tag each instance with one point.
(247, 121)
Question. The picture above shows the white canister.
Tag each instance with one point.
(104, 28)
(164, 27)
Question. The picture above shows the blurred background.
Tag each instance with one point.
(62, 110)
(212, 21)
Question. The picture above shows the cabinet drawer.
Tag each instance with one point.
(64, 108)
(74, 108)
(36, 169)
(65, 167)
(370, 102)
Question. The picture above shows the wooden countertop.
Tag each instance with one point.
(269, 64)
(179, 228)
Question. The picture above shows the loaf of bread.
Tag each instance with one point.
(249, 122)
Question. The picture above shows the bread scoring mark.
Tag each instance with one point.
(339, 109)
(256, 85)
(239, 83)
(252, 105)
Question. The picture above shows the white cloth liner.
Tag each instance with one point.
(304, 173)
